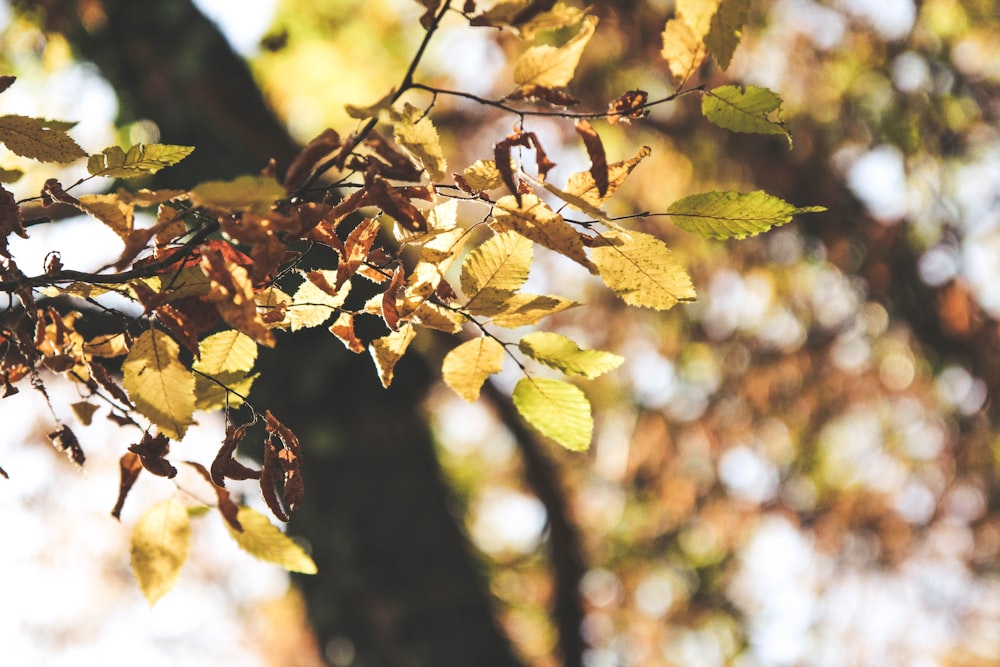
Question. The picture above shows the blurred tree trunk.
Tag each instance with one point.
(397, 585)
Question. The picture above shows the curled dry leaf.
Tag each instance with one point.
(309, 157)
(130, 466)
(151, 451)
(631, 105)
(595, 149)
(227, 507)
(65, 441)
(225, 465)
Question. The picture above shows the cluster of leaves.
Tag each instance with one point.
(218, 272)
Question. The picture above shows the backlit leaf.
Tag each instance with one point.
(559, 352)
(556, 409)
(39, 139)
(641, 270)
(582, 185)
(223, 390)
(534, 219)
(421, 138)
(140, 160)
(466, 367)
(229, 351)
(752, 109)
(726, 30)
(554, 67)
(343, 328)
(312, 306)
(158, 383)
(560, 16)
(481, 175)
(263, 540)
(232, 293)
(161, 540)
(725, 215)
(254, 193)
(500, 263)
(683, 49)
(388, 350)
(110, 210)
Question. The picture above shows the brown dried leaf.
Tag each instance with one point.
(11, 220)
(309, 157)
(595, 149)
(232, 293)
(558, 98)
(130, 467)
(5, 82)
(281, 467)
(390, 312)
(151, 451)
(227, 507)
(356, 248)
(343, 328)
(631, 105)
(100, 373)
(393, 202)
(65, 440)
(225, 465)
(393, 164)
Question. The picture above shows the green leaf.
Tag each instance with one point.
(159, 384)
(641, 270)
(725, 215)
(211, 394)
(559, 352)
(140, 160)
(10, 175)
(263, 540)
(726, 30)
(39, 139)
(161, 540)
(752, 110)
(255, 193)
(556, 409)
(466, 367)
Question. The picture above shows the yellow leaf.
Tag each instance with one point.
(388, 350)
(500, 263)
(517, 310)
(560, 16)
(683, 49)
(698, 14)
(223, 390)
(553, 67)
(161, 540)
(482, 175)
(641, 270)
(271, 303)
(228, 351)
(263, 540)
(421, 139)
(556, 409)
(467, 366)
(433, 316)
(559, 352)
(140, 160)
(534, 219)
(109, 345)
(581, 185)
(254, 193)
(158, 383)
(39, 139)
(112, 211)
(312, 306)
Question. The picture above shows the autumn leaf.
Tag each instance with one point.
(228, 351)
(388, 350)
(559, 16)
(500, 264)
(641, 270)
(152, 452)
(725, 215)
(556, 409)
(158, 383)
(10, 175)
(246, 193)
(595, 149)
(466, 367)
(65, 441)
(631, 105)
(746, 109)
(232, 293)
(264, 541)
(343, 329)
(112, 211)
(418, 136)
(39, 139)
(726, 30)
(534, 219)
(683, 49)
(140, 160)
(554, 67)
(559, 352)
(11, 221)
(583, 186)
(161, 540)
(481, 175)
(309, 157)
(129, 469)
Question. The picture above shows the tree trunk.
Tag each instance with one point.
(397, 585)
